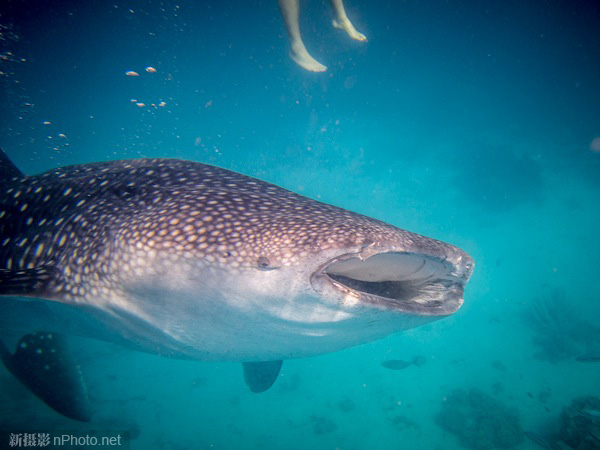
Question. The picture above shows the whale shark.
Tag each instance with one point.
(188, 260)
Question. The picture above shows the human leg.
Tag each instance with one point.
(341, 21)
(290, 11)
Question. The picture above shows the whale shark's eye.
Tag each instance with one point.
(264, 263)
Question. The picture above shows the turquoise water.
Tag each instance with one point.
(476, 123)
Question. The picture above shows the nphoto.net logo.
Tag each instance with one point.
(77, 439)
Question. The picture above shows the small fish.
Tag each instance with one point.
(131, 73)
(150, 69)
(399, 364)
(396, 364)
(589, 357)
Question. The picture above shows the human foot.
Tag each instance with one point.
(346, 25)
(299, 54)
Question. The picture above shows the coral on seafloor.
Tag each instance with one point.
(322, 425)
(480, 421)
(580, 423)
(559, 332)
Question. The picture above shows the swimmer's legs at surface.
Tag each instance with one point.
(341, 21)
(291, 12)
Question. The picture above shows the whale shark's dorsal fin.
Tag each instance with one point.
(43, 363)
(30, 281)
(8, 170)
(260, 376)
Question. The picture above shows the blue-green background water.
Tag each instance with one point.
(470, 122)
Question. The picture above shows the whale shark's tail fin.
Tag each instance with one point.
(43, 363)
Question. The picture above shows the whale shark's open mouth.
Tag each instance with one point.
(410, 282)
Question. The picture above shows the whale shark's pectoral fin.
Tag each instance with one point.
(260, 376)
(43, 363)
